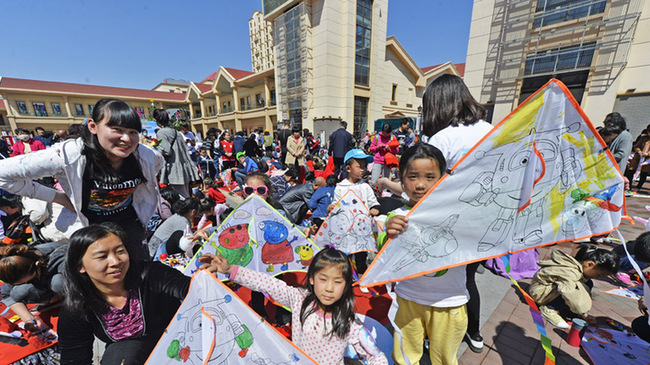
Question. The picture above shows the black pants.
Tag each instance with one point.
(129, 352)
(474, 303)
(641, 328)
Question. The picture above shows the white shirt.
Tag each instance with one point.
(361, 188)
(454, 142)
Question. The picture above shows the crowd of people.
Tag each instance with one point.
(108, 201)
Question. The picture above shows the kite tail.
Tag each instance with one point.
(537, 316)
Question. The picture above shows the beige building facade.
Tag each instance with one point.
(600, 49)
(261, 35)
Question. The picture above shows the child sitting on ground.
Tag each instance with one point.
(565, 281)
(211, 191)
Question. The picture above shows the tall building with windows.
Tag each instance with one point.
(600, 49)
(261, 35)
(334, 62)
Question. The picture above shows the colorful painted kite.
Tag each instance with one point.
(541, 176)
(214, 326)
(258, 237)
(349, 226)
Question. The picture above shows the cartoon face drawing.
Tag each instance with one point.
(274, 232)
(339, 225)
(234, 237)
(362, 225)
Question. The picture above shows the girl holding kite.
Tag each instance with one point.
(322, 311)
(430, 306)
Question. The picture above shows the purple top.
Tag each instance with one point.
(126, 322)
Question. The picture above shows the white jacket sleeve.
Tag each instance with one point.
(17, 173)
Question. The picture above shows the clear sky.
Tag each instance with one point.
(137, 44)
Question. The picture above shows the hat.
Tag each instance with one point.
(240, 154)
(357, 154)
(266, 130)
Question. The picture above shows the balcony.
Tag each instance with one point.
(228, 109)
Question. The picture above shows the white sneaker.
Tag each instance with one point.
(475, 343)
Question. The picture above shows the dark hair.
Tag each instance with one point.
(39, 129)
(161, 117)
(116, 113)
(642, 247)
(609, 130)
(75, 130)
(207, 204)
(11, 201)
(421, 150)
(616, 119)
(291, 172)
(168, 193)
(183, 207)
(18, 261)
(386, 128)
(447, 101)
(604, 259)
(343, 310)
(267, 182)
(343, 124)
(362, 162)
(331, 180)
(295, 129)
(405, 121)
(80, 292)
(22, 130)
(209, 182)
(211, 132)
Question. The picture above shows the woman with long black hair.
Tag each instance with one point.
(106, 175)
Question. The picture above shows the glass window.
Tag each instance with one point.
(39, 109)
(79, 109)
(567, 58)
(549, 12)
(360, 115)
(91, 108)
(56, 109)
(22, 108)
(362, 42)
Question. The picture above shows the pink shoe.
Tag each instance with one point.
(624, 278)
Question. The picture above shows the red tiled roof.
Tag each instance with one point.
(204, 87)
(237, 74)
(459, 66)
(69, 88)
(210, 77)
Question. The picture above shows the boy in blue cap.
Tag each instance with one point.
(355, 164)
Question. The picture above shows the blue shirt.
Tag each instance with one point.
(320, 200)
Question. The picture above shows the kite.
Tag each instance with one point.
(256, 236)
(541, 176)
(349, 226)
(214, 326)
(607, 346)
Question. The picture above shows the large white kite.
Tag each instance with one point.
(258, 237)
(541, 176)
(214, 326)
(349, 226)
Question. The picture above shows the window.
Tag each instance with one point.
(362, 43)
(56, 109)
(242, 104)
(39, 109)
(22, 108)
(259, 101)
(360, 115)
(2, 121)
(567, 58)
(550, 12)
(79, 109)
(272, 97)
(91, 108)
(393, 93)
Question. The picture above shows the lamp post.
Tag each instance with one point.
(418, 126)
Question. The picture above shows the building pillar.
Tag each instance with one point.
(235, 95)
(217, 98)
(267, 92)
(191, 110)
(68, 110)
(11, 118)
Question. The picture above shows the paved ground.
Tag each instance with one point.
(508, 330)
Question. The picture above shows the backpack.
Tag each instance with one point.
(261, 164)
(23, 231)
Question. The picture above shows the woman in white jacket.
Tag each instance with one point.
(106, 175)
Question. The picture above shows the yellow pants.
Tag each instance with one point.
(445, 328)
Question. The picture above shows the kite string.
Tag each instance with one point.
(537, 316)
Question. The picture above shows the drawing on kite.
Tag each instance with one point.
(258, 360)
(234, 245)
(427, 242)
(521, 206)
(229, 333)
(306, 255)
(350, 230)
(277, 248)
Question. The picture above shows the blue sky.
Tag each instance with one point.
(137, 43)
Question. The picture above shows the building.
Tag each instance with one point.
(56, 105)
(331, 61)
(600, 49)
(261, 34)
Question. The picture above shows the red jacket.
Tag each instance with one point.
(19, 147)
(227, 147)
